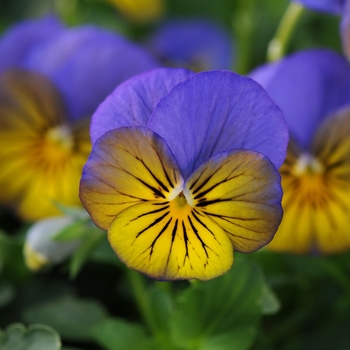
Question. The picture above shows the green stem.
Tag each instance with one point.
(277, 46)
(138, 286)
(243, 22)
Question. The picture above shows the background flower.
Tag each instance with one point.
(195, 44)
(46, 105)
(313, 90)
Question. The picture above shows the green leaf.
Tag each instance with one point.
(91, 241)
(76, 230)
(209, 312)
(116, 334)
(269, 302)
(35, 337)
(71, 317)
(7, 293)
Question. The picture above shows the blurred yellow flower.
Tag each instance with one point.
(41, 152)
(140, 10)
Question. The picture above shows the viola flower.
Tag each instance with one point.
(47, 94)
(195, 44)
(183, 171)
(313, 90)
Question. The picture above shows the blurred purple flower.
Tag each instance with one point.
(195, 44)
(183, 171)
(333, 6)
(313, 90)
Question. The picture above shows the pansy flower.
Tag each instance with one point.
(183, 171)
(195, 44)
(313, 90)
(48, 92)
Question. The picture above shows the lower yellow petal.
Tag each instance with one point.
(166, 242)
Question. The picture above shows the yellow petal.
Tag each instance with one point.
(168, 241)
(240, 191)
(127, 166)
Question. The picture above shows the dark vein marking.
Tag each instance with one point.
(186, 240)
(202, 223)
(152, 224)
(204, 246)
(151, 212)
(155, 240)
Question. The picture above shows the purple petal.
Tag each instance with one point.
(193, 43)
(219, 111)
(17, 42)
(307, 86)
(87, 63)
(132, 103)
(333, 6)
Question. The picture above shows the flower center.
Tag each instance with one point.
(306, 164)
(61, 137)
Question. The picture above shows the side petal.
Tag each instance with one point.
(127, 166)
(219, 111)
(132, 103)
(240, 191)
(290, 81)
(152, 239)
(87, 63)
(19, 40)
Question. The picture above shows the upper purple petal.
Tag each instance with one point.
(333, 6)
(189, 43)
(132, 102)
(87, 63)
(308, 86)
(19, 40)
(215, 112)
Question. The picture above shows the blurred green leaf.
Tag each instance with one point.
(269, 302)
(71, 317)
(76, 230)
(116, 334)
(91, 241)
(209, 312)
(7, 293)
(35, 337)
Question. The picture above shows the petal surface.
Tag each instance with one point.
(127, 166)
(215, 112)
(132, 103)
(307, 86)
(17, 42)
(87, 63)
(166, 242)
(240, 191)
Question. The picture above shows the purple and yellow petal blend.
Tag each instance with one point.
(195, 44)
(313, 90)
(171, 215)
(46, 104)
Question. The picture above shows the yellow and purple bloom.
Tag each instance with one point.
(183, 171)
(194, 44)
(51, 80)
(313, 90)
